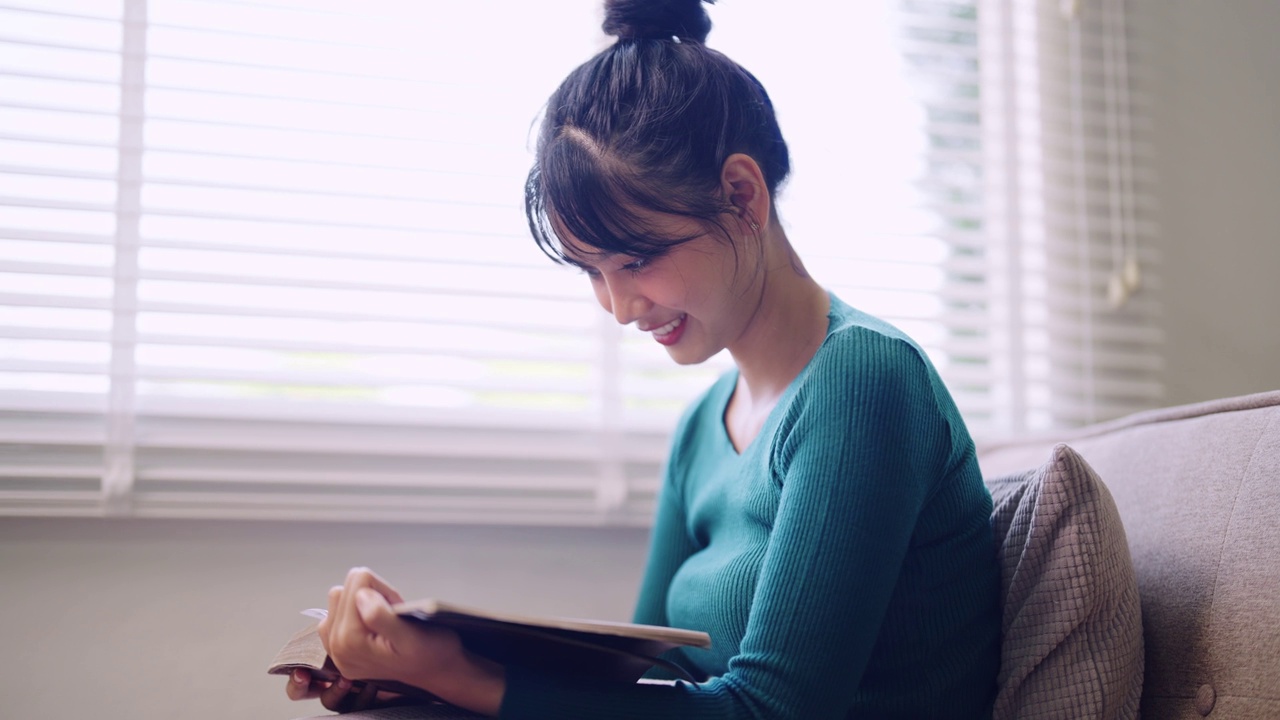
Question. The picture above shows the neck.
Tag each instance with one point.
(787, 328)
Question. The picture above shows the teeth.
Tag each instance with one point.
(669, 327)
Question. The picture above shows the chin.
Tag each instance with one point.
(683, 356)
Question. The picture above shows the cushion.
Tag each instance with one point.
(1072, 622)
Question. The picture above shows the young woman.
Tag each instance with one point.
(822, 516)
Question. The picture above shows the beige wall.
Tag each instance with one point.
(1217, 134)
(136, 619)
(133, 619)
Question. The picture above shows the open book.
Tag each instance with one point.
(582, 649)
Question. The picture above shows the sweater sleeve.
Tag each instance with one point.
(669, 547)
(669, 541)
(669, 544)
(856, 458)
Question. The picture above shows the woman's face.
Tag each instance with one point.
(695, 300)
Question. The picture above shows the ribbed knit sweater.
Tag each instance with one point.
(842, 563)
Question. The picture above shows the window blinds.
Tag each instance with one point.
(1074, 325)
(267, 259)
(60, 128)
(298, 277)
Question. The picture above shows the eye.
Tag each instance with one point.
(583, 268)
(635, 266)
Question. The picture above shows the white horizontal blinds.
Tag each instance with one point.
(885, 202)
(940, 53)
(60, 69)
(267, 259)
(1075, 253)
(341, 313)
(332, 212)
(1112, 202)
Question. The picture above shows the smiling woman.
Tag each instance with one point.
(822, 516)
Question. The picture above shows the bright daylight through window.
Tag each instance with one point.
(269, 259)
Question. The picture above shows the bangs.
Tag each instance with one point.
(575, 190)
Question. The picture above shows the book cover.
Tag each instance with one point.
(584, 649)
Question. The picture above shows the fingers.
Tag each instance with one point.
(300, 686)
(339, 696)
(335, 697)
(361, 625)
(358, 577)
(325, 628)
(376, 613)
(368, 694)
(362, 598)
(347, 629)
(359, 610)
(346, 696)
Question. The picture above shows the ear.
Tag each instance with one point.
(742, 182)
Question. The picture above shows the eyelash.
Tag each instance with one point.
(635, 266)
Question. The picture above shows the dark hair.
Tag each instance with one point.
(646, 125)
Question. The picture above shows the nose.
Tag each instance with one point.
(620, 298)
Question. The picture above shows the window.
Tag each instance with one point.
(267, 258)
(1073, 267)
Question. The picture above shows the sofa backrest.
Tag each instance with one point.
(1198, 490)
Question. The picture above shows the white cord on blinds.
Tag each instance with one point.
(1074, 326)
(266, 258)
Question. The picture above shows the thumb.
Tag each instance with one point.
(376, 612)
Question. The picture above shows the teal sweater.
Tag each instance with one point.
(843, 563)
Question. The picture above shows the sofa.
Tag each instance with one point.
(1197, 488)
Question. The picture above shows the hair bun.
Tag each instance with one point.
(657, 19)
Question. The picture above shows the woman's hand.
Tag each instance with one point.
(339, 696)
(367, 641)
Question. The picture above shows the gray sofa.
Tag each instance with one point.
(1198, 491)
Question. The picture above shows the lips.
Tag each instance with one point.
(669, 333)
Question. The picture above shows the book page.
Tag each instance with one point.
(304, 649)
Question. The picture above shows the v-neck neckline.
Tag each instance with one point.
(784, 399)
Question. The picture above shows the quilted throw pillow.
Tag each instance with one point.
(1072, 642)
